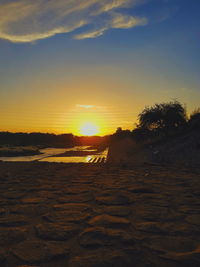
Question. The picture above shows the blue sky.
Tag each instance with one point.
(127, 54)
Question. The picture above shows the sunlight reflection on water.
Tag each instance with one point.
(84, 159)
(66, 159)
(49, 155)
(88, 158)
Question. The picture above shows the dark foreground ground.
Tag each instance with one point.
(56, 215)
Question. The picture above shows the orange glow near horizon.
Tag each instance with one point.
(88, 120)
(84, 119)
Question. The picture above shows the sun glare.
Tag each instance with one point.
(89, 129)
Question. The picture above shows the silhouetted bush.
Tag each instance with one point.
(120, 134)
(164, 117)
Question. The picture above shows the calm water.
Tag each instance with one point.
(49, 156)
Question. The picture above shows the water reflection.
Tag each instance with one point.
(88, 158)
(66, 159)
(49, 155)
(97, 158)
(46, 152)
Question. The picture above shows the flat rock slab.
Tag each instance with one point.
(13, 195)
(2, 211)
(80, 207)
(153, 227)
(147, 212)
(12, 236)
(113, 198)
(33, 200)
(56, 231)
(141, 190)
(39, 251)
(180, 249)
(167, 228)
(173, 244)
(115, 210)
(102, 258)
(78, 198)
(77, 190)
(99, 236)
(194, 219)
(109, 221)
(3, 255)
(13, 220)
(66, 216)
(30, 209)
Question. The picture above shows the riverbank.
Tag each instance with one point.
(79, 153)
(76, 154)
(174, 150)
(98, 215)
(19, 151)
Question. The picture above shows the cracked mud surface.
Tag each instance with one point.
(81, 215)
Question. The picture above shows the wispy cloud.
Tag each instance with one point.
(120, 21)
(28, 20)
(84, 106)
(116, 21)
(89, 106)
(90, 34)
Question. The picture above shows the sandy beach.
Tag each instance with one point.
(54, 214)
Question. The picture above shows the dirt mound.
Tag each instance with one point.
(183, 149)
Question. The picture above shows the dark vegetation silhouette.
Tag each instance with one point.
(194, 122)
(36, 139)
(51, 140)
(165, 117)
(164, 135)
(161, 121)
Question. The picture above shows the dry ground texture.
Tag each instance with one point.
(95, 215)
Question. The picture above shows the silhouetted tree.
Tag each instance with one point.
(119, 130)
(165, 117)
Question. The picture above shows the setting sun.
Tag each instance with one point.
(89, 129)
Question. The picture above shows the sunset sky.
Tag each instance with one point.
(66, 63)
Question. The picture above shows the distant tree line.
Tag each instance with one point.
(35, 139)
(50, 140)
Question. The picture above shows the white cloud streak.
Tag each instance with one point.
(32, 20)
(120, 21)
(90, 34)
(83, 106)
